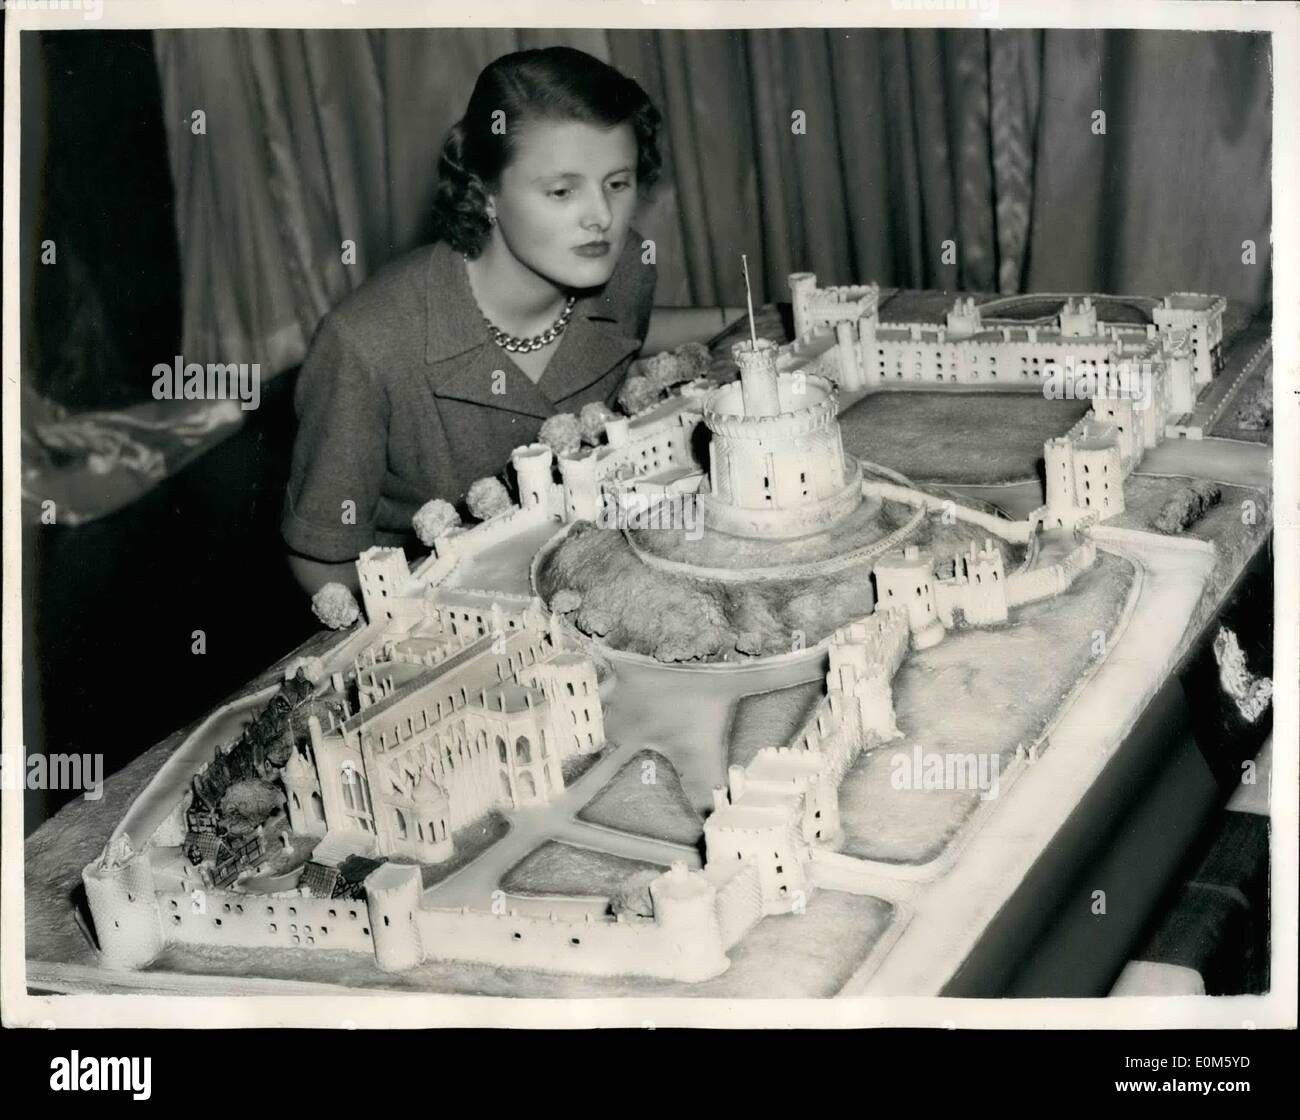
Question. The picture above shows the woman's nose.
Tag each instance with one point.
(599, 215)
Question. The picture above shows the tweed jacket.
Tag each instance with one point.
(404, 397)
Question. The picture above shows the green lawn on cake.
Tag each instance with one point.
(770, 719)
(646, 798)
(557, 868)
(979, 691)
(961, 438)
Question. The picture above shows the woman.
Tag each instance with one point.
(533, 301)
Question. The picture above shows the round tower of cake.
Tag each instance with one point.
(122, 902)
(685, 911)
(777, 467)
(905, 580)
(393, 900)
(532, 464)
(581, 486)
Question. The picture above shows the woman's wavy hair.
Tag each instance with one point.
(550, 83)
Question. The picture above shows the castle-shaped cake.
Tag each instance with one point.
(457, 697)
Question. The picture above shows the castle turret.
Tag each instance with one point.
(757, 361)
(906, 579)
(383, 574)
(120, 891)
(532, 464)
(1126, 414)
(765, 832)
(802, 287)
(964, 319)
(393, 902)
(685, 910)
(782, 474)
(433, 808)
(1079, 319)
(581, 487)
(1177, 348)
(1058, 461)
(616, 431)
(1084, 474)
(852, 374)
(569, 679)
(1202, 317)
(986, 591)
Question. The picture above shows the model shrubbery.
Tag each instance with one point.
(1186, 507)
(487, 498)
(248, 803)
(433, 520)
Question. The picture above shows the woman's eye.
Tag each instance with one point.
(620, 184)
(559, 192)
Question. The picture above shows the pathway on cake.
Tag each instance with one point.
(473, 884)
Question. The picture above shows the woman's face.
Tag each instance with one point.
(569, 184)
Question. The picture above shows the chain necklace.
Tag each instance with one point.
(514, 344)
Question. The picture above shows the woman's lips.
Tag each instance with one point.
(597, 249)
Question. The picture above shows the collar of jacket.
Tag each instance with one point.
(592, 343)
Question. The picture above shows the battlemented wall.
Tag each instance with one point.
(493, 531)
(1052, 580)
(967, 353)
(1018, 531)
(784, 803)
(247, 921)
(683, 941)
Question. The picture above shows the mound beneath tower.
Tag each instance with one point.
(723, 556)
(632, 606)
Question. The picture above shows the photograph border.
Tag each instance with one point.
(1277, 1008)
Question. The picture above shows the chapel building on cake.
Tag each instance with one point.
(466, 704)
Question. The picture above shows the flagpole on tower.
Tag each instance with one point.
(749, 302)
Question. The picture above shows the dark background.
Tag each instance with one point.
(109, 606)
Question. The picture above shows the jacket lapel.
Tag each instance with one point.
(589, 349)
(486, 376)
(463, 364)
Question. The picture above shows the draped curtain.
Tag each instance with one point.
(983, 143)
(301, 161)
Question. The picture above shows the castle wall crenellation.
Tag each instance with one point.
(775, 839)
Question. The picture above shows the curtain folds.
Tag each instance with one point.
(946, 159)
